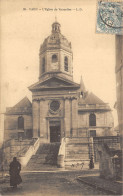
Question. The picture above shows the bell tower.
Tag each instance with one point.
(56, 27)
(55, 56)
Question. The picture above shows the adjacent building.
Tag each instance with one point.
(119, 82)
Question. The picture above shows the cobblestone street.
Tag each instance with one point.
(51, 183)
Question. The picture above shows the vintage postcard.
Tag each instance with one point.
(61, 101)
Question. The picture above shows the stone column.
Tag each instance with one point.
(43, 112)
(67, 118)
(74, 117)
(35, 115)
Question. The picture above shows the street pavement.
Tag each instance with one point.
(113, 187)
(56, 183)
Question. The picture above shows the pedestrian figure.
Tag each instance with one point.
(14, 171)
(91, 164)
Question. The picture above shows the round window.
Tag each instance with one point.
(54, 105)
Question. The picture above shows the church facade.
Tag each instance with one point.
(60, 108)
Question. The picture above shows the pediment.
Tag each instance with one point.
(54, 82)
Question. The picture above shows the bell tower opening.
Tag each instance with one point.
(66, 63)
(54, 58)
(56, 27)
(43, 65)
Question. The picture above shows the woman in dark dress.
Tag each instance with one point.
(14, 171)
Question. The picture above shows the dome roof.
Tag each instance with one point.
(56, 40)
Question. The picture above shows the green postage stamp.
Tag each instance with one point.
(110, 17)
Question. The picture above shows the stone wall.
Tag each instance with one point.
(11, 125)
(105, 165)
(102, 118)
(110, 162)
(11, 122)
(112, 141)
(104, 123)
(119, 81)
(13, 148)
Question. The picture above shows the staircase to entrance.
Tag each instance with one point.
(45, 157)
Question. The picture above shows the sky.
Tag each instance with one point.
(26, 23)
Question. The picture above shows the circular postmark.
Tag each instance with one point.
(111, 14)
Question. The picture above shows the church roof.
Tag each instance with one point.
(90, 98)
(93, 99)
(22, 107)
(54, 82)
(91, 102)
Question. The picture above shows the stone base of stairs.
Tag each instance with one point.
(41, 167)
(81, 164)
(77, 152)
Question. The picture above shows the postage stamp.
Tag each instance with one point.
(109, 17)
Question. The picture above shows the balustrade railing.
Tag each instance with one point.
(25, 157)
(61, 154)
(92, 106)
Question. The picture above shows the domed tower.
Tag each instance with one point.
(56, 55)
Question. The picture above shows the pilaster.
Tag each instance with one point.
(36, 119)
(74, 113)
(67, 118)
(43, 123)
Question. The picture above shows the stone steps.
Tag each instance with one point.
(77, 152)
(77, 157)
(45, 157)
(77, 140)
(75, 146)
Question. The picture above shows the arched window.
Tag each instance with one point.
(66, 63)
(20, 122)
(43, 65)
(54, 58)
(92, 120)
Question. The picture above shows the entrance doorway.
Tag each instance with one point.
(55, 131)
